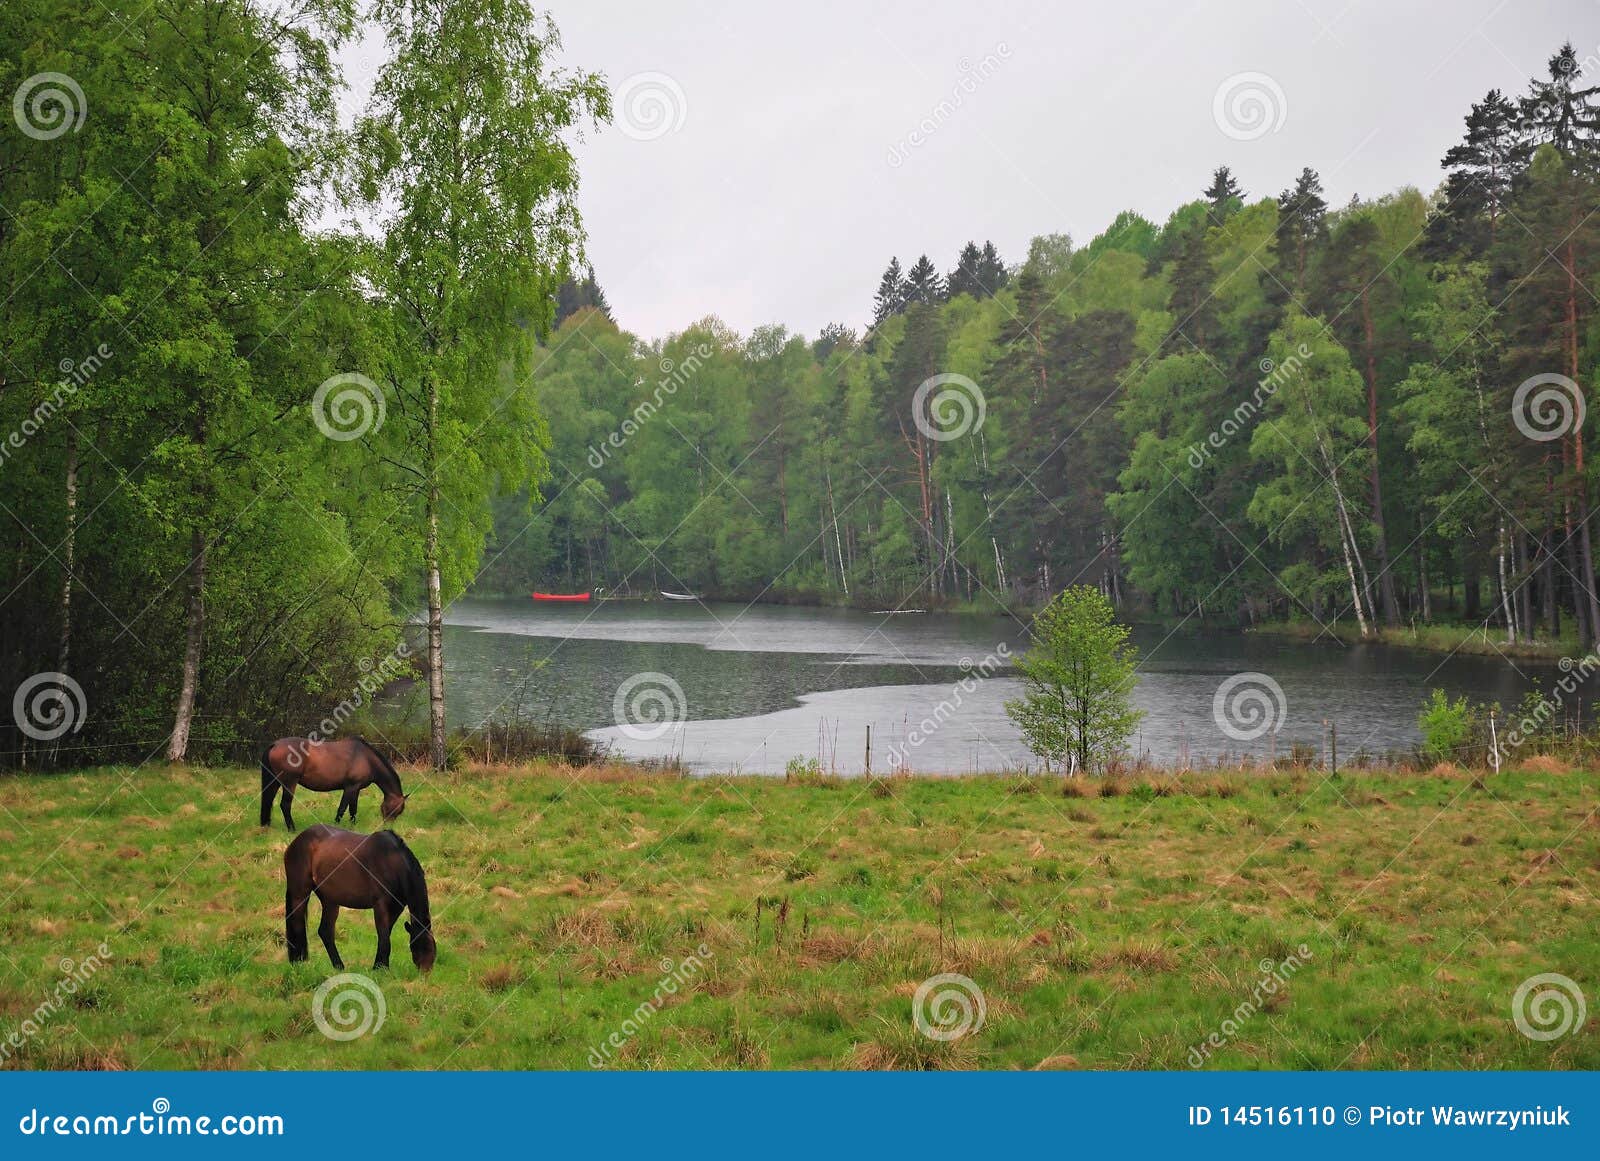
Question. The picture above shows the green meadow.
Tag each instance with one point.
(635, 920)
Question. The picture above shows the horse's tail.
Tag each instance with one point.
(269, 785)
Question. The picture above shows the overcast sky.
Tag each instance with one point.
(767, 160)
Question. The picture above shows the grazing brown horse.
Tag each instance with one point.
(348, 764)
(375, 872)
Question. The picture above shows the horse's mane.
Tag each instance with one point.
(414, 884)
(388, 766)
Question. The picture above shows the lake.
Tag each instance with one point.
(726, 687)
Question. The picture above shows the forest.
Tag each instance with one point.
(1263, 408)
(273, 386)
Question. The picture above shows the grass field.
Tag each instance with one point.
(749, 923)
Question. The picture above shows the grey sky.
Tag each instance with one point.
(774, 199)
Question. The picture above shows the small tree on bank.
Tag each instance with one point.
(1078, 680)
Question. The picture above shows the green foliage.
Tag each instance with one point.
(1078, 679)
(1446, 726)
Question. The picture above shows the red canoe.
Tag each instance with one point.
(559, 596)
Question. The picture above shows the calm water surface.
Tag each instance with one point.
(751, 687)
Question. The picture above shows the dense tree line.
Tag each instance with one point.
(1258, 409)
(239, 448)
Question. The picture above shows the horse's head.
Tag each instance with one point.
(394, 805)
(423, 949)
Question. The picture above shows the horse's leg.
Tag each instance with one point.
(295, 899)
(347, 801)
(286, 802)
(355, 797)
(383, 915)
(330, 916)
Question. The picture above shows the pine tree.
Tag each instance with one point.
(1481, 169)
(924, 283)
(1302, 225)
(891, 297)
(1561, 113)
(965, 278)
(992, 272)
(1223, 196)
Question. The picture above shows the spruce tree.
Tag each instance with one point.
(891, 297)
(1223, 196)
(1563, 113)
(1481, 170)
(924, 283)
(966, 278)
(1302, 225)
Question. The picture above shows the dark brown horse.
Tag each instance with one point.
(370, 872)
(348, 764)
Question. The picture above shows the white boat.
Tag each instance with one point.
(679, 596)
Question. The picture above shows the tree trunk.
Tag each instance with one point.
(69, 546)
(1380, 549)
(194, 639)
(436, 734)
